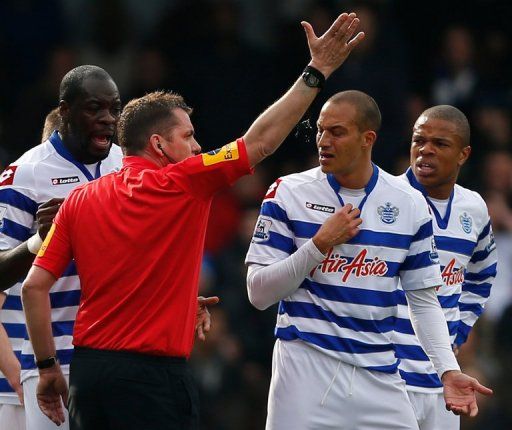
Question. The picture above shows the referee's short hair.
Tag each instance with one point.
(368, 112)
(142, 117)
(71, 86)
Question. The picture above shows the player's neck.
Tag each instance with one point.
(441, 192)
(356, 179)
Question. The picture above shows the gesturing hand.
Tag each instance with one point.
(45, 215)
(459, 393)
(51, 393)
(338, 228)
(329, 51)
(203, 317)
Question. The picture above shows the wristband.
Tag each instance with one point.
(34, 243)
(46, 363)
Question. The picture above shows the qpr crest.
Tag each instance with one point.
(388, 213)
(466, 222)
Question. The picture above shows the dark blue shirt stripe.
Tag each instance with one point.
(483, 290)
(411, 352)
(484, 232)
(476, 308)
(18, 200)
(430, 380)
(15, 330)
(14, 230)
(417, 261)
(350, 294)
(426, 230)
(274, 211)
(451, 244)
(489, 272)
(449, 301)
(61, 299)
(309, 310)
(278, 241)
(332, 343)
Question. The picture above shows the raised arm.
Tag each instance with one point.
(328, 52)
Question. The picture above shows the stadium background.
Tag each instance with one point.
(231, 59)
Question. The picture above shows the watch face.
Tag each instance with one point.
(311, 80)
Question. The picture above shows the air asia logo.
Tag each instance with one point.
(63, 181)
(466, 222)
(261, 232)
(7, 175)
(451, 275)
(321, 208)
(359, 266)
(388, 213)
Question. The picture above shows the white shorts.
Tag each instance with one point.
(36, 420)
(431, 413)
(310, 390)
(12, 417)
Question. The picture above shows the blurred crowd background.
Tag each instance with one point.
(231, 59)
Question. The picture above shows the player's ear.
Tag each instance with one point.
(464, 155)
(63, 110)
(369, 138)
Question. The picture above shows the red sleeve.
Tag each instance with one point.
(55, 253)
(205, 174)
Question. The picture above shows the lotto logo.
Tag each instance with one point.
(7, 176)
(63, 181)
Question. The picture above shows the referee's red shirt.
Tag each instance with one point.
(137, 238)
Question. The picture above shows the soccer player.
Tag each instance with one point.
(331, 245)
(12, 334)
(467, 253)
(138, 249)
(80, 151)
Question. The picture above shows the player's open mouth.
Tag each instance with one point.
(324, 156)
(101, 141)
(425, 168)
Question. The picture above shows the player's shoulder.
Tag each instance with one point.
(32, 167)
(302, 179)
(470, 201)
(400, 187)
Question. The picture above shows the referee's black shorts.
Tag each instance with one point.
(117, 390)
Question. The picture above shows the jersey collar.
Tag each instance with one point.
(442, 222)
(335, 185)
(57, 143)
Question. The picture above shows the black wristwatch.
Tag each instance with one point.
(313, 78)
(46, 363)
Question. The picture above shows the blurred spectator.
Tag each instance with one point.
(456, 76)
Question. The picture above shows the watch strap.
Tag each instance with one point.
(311, 71)
(46, 363)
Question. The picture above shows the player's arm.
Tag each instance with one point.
(267, 285)
(429, 324)
(9, 364)
(52, 386)
(328, 52)
(478, 279)
(15, 263)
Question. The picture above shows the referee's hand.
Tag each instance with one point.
(52, 393)
(203, 317)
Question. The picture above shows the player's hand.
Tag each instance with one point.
(459, 393)
(329, 51)
(18, 389)
(339, 228)
(52, 393)
(203, 317)
(45, 215)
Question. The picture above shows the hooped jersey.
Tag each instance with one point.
(468, 258)
(46, 171)
(347, 306)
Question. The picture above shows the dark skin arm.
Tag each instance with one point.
(15, 263)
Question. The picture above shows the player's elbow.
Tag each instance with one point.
(257, 301)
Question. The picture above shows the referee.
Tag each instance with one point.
(137, 238)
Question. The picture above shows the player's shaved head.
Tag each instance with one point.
(72, 82)
(368, 113)
(452, 115)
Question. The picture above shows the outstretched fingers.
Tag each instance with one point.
(310, 33)
(482, 389)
